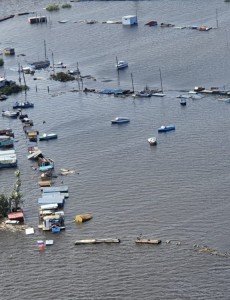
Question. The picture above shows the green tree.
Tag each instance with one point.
(4, 206)
(1, 62)
(15, 197)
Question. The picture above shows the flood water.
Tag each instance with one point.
(177, 191)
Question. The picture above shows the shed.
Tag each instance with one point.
(129, 20)
(59, 200)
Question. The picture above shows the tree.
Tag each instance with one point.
(4, 205)
(1, 62)
(15, 197)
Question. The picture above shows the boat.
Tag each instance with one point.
(166, 128)
(6, 141)
(8, 159)
(40, 64)
(3, 97)
(142, 94)
(152, 140)
(120, 120)
(183, 101)
(49, 136)
(25, 104)
(147, 241)
(121, 64)
(10, 114)
(97, 241)
(158, 94)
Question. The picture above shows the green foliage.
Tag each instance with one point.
(4, 206)
(61, 76)
(66, 5)
(1, 62)
(13, 88)
(15, 197)
(52, 7)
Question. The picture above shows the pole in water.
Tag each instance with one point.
(217, 25)
(36, 88)
(48, 89)
(132, 82)
(161, 81)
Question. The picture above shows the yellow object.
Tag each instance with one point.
(83, 218)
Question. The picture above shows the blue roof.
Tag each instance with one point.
(51, 200)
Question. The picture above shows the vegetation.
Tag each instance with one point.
(61, 76)
(13, 88)
(66, 5)
(14, 200)
(1, 62)
(52, 7)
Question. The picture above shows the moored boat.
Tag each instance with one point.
(183, 101)
(49, 136)
(121, 64)
(152, 141)
(166, 128)
(97, 241)
(10, 114)
(120, 120)
(25, 104)
(147, 241)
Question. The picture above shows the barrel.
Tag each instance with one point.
(83, 218)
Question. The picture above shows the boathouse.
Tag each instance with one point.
(129, 20)
(35, 20)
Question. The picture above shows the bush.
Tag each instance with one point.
(1, 62)
(61, 76)
(13, 88)
(66, 5)
(52, 7)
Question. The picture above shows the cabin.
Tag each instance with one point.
(16, 216)
(9, 51)
(35, 20)
(129, 20)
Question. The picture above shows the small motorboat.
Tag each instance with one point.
(25, 104)
(166, 128)
(120, 120)
(158, 94)
(142, 94)
(147, 241)
(49, 136)
(183, 101)
(121, 64)
(10, 114)
(152, 140)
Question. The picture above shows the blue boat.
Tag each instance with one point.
(120, 120)
(25, 104)
(166, 128)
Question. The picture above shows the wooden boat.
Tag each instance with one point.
(97, 241)
(147, 241)
(49, 136)
(166, 128)
(83, 218)
(152, 140)
(120, 120)
(45, 183)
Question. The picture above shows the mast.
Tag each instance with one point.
(217, 18)
(132, 82)
(53, 62)
(161, 81)
(45, 49)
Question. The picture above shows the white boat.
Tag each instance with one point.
(97, 241)
(158, 94)
(152, 140)
(10, 114)
(142, 94)
(120, 120)
(121, 64)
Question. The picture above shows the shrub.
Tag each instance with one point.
(61, 76)
(66, 5)
(52, 7)
(1, 62)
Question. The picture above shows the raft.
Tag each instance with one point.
(147, 241)
(83, 218)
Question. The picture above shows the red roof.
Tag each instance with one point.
(18, 215)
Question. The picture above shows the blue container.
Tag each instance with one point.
(56, 229)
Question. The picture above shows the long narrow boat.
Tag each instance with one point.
(97, 241)
(166, 128)
(147, 241)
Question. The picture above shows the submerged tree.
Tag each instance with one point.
(4, 205)
(15, 197)
(1, 62)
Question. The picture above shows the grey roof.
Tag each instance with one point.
(52, 189)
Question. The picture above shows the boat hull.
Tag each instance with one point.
(166, 128)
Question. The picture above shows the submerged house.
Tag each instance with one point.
(129, 20)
